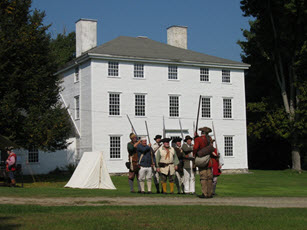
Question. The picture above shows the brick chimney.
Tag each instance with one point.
(86, 35)
(178, 36)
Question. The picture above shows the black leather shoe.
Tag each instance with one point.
(202, 196)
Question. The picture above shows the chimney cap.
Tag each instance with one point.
(86, 19)
(176, 26)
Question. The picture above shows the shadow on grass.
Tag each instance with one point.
(6, 225)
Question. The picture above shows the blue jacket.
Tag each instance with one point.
(146, 159)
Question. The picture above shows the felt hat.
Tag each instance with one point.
(177, 139)
(205, 129)
(188, 137)
(166, 140)
(158, 137)
(9, 148)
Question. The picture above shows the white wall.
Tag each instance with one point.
(157, 88)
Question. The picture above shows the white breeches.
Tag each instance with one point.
(189, 180)
(145, 173)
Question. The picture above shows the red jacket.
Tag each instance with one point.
(199, 143)
(215, 165)
(13, 166)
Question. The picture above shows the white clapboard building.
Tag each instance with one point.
(149, 80)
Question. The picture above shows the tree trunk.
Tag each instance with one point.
(296, 159)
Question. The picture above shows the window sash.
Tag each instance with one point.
(206, 107)
(226, 76)
(174, 106)
(115, 147)
(33, 155)
(204, 74)
(113, 69)
(77, 107)
(138, 70)
(227, 108)
(172, 72)
(114, 104)
(228, 145)
(77, 74)
(139, 105)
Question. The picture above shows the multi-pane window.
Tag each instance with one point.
(77, 107)
(33, 155)
(226, 76)
(138, 70)
(139, 105)
(172, 72)
(114, 147)
(228, 145)
(114, 104)
(113, 69)
(204, 74)
(227, 108)
(77, 74)
(174, 106)
(205, 107)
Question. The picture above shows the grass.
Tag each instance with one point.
(150, 217)
(285, 183)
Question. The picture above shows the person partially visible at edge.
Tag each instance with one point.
(205, 173)
(146, 162)
(166, 163)
(155, 148)
(216, 169)
(11, 165)
(189, 168)
(179, 171)
(133, 159)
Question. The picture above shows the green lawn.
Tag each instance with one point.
(150, 217)
(285, 183)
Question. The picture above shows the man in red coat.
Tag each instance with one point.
(204, 173)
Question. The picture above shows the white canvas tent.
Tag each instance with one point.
(91, 173)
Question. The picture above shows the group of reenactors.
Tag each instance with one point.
(174, 163)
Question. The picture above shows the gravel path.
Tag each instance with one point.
(269, 202)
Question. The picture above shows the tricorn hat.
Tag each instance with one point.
(188, 137)
(166, 140)
(9, 148)
(177, 139)
(205, 129)
(158, 137)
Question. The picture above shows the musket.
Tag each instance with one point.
(181, 129)
(132, 126)
(214, 137)
(197, 118)
(164, 133)
(151, 150)
(194, 127)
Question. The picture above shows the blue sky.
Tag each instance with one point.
(214, 26)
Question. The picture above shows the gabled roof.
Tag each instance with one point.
(142, 47)
(150, 50)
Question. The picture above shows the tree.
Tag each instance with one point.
(63, 48)
(276, 48)
(30, 112)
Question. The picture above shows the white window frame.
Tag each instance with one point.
(33, 155)
(227, 111)
(138, 72)
(115, 147)
(140, 105)
(205, 109)
(172, 72)
(77, 107)
(113, 69)
(204, 75)
(228, 145)
(77, 74)
(226, 77)
(173, 107)
(114, 108)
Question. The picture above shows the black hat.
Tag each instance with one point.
(166, 140)
(10, 148)
(177, 139)
(188, 137)
(158, 137)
